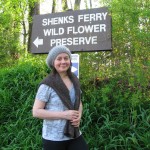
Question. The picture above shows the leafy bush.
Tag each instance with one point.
(19, 130)
(116, 114)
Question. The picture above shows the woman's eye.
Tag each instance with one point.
(66, 58)
(59, 59)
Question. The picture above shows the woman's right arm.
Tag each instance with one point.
(41, 99)
(38, 111)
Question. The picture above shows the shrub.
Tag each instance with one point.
(116, 114)
(19, 130)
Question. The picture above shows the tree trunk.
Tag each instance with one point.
(90, 3)
(77, 4)
(33, 10)
(65, 5)
(54, 6)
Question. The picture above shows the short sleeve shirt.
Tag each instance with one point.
(53, 129)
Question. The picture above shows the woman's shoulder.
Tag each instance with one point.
(44, 87)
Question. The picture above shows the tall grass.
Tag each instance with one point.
(116, 115)
(18, 129)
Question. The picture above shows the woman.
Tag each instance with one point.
(58, 103)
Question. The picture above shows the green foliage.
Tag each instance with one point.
(115, 84)
(115, 116)
(9, 31)
(17, 91)
(13, 27)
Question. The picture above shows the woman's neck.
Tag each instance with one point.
(63, 75)
(65, 78)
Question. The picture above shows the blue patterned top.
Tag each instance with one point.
(53, 129)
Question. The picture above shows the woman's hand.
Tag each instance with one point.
(74, 117)
(71, 114)
(76, 121)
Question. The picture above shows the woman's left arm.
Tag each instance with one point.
(80, 110)
(76, 121)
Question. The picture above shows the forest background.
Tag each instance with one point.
(115, 84)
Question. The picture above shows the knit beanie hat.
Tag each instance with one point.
(54, 52)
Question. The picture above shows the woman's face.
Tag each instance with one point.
(62, 63)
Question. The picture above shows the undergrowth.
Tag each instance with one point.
(116, 115)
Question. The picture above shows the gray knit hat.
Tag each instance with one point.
(54, 52)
